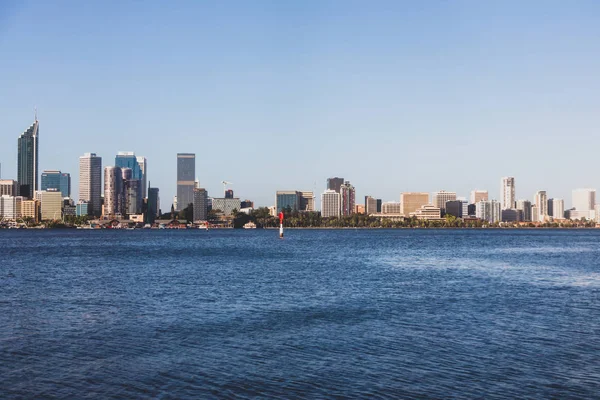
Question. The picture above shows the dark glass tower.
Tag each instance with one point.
(186, 177)
(27, 161)
(58, 181)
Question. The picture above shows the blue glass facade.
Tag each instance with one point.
(288, 199)
(129, 160)
(58, 181)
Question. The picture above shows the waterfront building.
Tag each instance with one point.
(11, 207)
(52, 205)
(153, 208)
(456, 208)
(558, 208)
(427, 211)
(247, 204)
(507, 191)
(440, 198)
(90, 182)
(412, 201)
(143, 164)
(113, 190)
(128, 159)
(359, 209)
(391, 207)
(330, 204)
(69, 210)
(541, 202)
(584, 199)
(28, 160)
(379, 202)
(273, 211)
(478, 195)
(535, 213)
(347, 198)
(31, 209)
(9, 187)
(82, 209)
(489, 210)
(225, 205)
(200, 204)
(186, 175)
(307, 201)
(335, 184)
(58, 181)
(370, 205)
(525, 207)
(132, 195)
(285, 199)
(472, 210)
(512, 215)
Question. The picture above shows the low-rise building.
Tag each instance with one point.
(31, 209)
(427, 211)
(391, 207)
(52, 205)
(11, 207)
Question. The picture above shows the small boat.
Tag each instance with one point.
(250, 225)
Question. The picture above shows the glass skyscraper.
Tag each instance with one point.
(58, 181)
(186, 176)
(127, 159)
(27, 161)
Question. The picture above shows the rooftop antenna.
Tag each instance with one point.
(35, 112)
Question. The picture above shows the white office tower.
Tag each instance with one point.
(488, 210)
(330, 204)
(541, 202)
(507, 191)
(90, 182)
(584, 201)
(143, 163)
(558, 208)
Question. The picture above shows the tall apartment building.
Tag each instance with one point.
(186, 175)
(200, 204)
(348, 198)
(507, 191)
(478, 195)
(370, 205)
(335, 184)
(489, 210)
(28, 160)
(113, 190)
(541, 202)
(330, 204)
(558, 208)
(412, 201)
(58, 181)
(441, 198)
(9, 187)
(525, 206)
(90, 182)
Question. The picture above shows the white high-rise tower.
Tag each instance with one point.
(507, 191)
(90, 182)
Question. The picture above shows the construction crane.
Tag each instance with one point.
(225, 183)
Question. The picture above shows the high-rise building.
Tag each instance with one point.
(52, 205)
(27, 161)
(541, 202)
(478, 195)
(128, 159)
(584, 199)
(186, 175)
(525, 206)
(200, 204)
(489, 210)
(379, 205)
(391, 207)
(90, 182)
(11, 207)
(370, 205)
(228, 194)
(226, 206)
(456, 208)
(335, 184)
(153, 205)
(133, 196)
(550, 207)
(441, 198)
(330, 204)
(285, 199)
(412, 201)
(507, 191)
(57, 180)
(558, 208)
(113, 191)
(143, 164)
(348, 198)
(535, 213)
(359, 209)
(307, 201)
(9, 187)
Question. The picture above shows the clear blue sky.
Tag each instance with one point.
(392, 95)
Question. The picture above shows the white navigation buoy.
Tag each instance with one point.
(281, 225)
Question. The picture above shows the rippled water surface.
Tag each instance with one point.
(320, 314)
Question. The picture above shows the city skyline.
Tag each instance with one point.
(312, 90)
